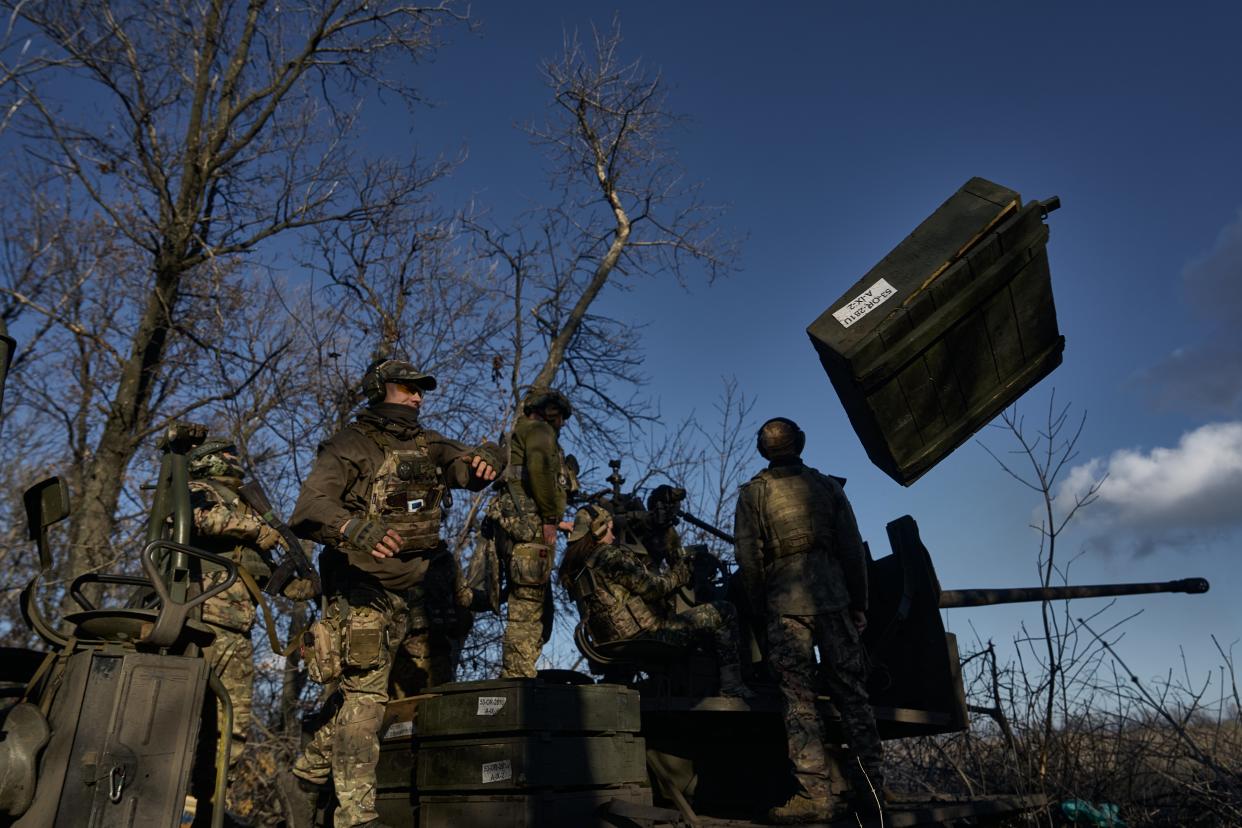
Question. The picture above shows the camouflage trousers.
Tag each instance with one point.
(231, 616)
(524, 632)
(528, 623)
(714, 623)
(792, 640)
(385, 638)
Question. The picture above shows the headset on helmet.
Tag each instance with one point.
(385, 370)
(787, 444)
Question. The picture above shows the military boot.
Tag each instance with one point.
(731, 683)
(300, 798)
(802, 809)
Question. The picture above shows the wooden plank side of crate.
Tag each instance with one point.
(960, 222)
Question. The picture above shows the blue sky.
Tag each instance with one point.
(832, 129)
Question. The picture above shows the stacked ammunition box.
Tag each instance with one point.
(522, 752)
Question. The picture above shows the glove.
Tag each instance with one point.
(300, 589)
(268, 537)
(359, 536)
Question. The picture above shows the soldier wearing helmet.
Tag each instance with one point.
(227, 526)
(659, 531)
(804, 570)
(375, 498)
(522, 521)
(622, 596)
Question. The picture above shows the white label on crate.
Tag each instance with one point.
(864, 303)
(497, 771)
(398, 729)
(490, 705)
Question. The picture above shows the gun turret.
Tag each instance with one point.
(915, 665)
(951, 598)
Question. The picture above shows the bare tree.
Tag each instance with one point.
(209, 129)
(625, 213)
(1048, 453)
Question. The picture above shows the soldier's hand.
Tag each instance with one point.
(859, 618)
(371, 537)
(482, 468)
(300, 589)
(680, 572)
(565, 526)
(549, 534)
(268, 537)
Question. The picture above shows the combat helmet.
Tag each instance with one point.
(393, 370)
(663, 503)
(212, 459)
(590, 520)
(540, 397)
(780, 439)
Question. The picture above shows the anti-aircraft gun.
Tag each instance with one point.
(915, 684)
(107, 724)
(721, 758)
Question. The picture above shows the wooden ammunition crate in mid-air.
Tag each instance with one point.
(947, 330)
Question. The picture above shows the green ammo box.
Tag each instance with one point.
(513, 706)
(551, 809)
(947, 330)
(531, 761)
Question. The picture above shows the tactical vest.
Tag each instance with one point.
(613, 613)
(243, 554)
(797, 510)
(406, 490)
(802, 575)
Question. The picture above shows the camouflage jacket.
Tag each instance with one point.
(339, 485)
(798, 547)
(225, 525)
(620, 593)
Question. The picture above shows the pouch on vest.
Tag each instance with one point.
(321, 650)
(530, 564)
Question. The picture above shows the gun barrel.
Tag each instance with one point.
(986, 597)
(706, 527)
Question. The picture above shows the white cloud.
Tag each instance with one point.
(1177, 496)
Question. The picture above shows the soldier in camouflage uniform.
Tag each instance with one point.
(524, 519)
(374, 500)
(623, 597)
(225, 525)
(804, 569)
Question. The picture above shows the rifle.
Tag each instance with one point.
(295, 563)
